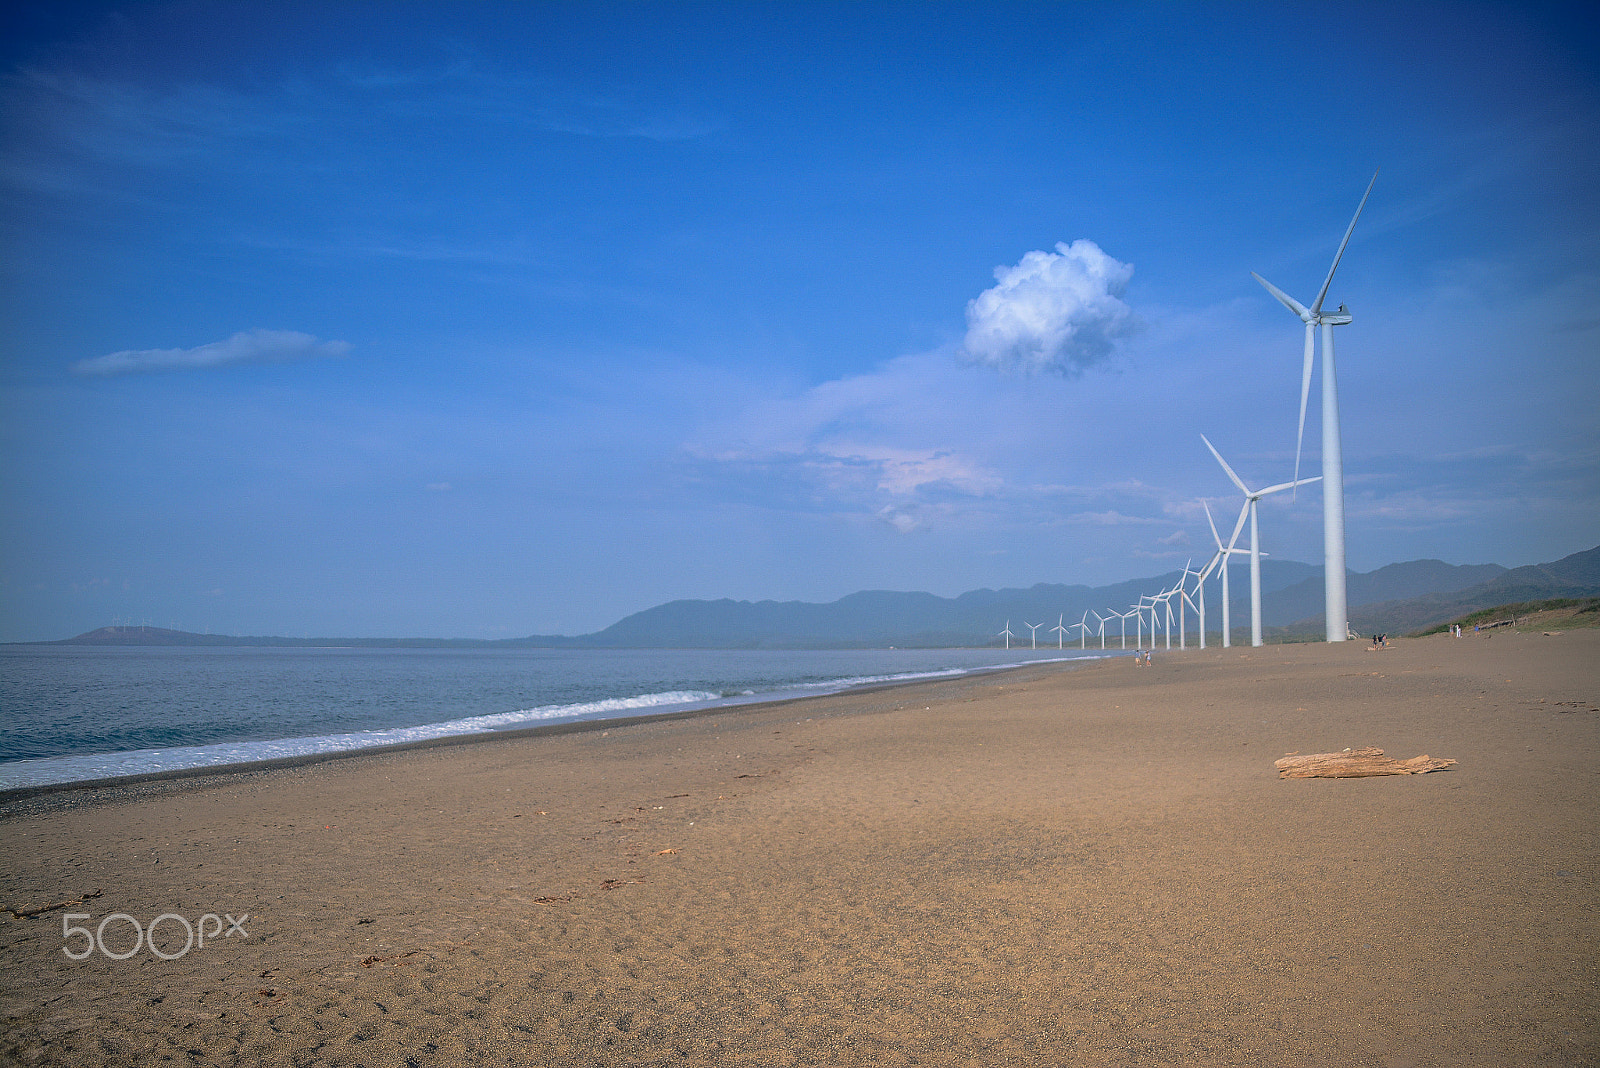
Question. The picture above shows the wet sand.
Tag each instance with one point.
(1096, 866)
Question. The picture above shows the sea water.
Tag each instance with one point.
(71, 713)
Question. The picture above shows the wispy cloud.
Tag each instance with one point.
(1056, 311)
(247, 346)
(470, 91)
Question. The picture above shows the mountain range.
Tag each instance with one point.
(1396, 599)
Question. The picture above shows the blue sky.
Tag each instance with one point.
(491, 320)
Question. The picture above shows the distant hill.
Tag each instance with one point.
(881, 617)
(147, 636)
(1395, 582)
(1575, 576)
(1398, 598)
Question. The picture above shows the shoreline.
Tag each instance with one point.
(10, 796)
(1096, 866)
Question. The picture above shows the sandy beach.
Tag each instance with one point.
(1088, 866)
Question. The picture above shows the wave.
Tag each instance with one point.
(48, 770)
(45, 771)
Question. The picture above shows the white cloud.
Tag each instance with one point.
(901, 521)
(247, 346)
(1056, 311)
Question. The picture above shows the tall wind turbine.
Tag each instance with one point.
(1059, 631)
(1006, 633)
(1034, 627)
(1335, 608)
(1102, 620)
(1251, 499)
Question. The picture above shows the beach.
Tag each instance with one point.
(1089, 865)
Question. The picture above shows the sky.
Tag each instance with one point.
(491, 320)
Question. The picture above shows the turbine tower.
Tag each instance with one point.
(1335, 607)
(1059, 631)
(1251, 498)
(1006, 634)
(1034, 627)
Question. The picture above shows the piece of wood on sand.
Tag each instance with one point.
(1354, 764)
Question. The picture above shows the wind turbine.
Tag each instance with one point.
(1006, 633)
(1123, 618)
(1335, 608)
(1059, 631)
(1102, 620)
(1183, 599)
(1141, 607)
(1083, 630)
(1167, 606)
(1034, 627)
(1223, 553)
(1203, 574)
(1183, 596)
(1251, 499)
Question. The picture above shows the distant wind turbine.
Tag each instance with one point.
(1203, 574)
(1335, 614)
(1183, 598)
(1165, 600)
(1006, 633)
(1223, 553)
(1252, 498)
(1102, 620)
(1034, 628)
(1122, 618)
(1059, 631)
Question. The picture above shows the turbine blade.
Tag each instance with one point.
(1209, 520)
(1288, 301)
(1242, 487)
(1317, 307)
(1237, 527)
(1280, 487)
(1305, 392)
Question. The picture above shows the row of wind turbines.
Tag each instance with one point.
(1159, 606)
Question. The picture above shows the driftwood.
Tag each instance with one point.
(24, 911)
(1354, 764)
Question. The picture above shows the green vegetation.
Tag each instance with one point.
(1558, 613)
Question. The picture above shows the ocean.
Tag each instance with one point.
(73, 713)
